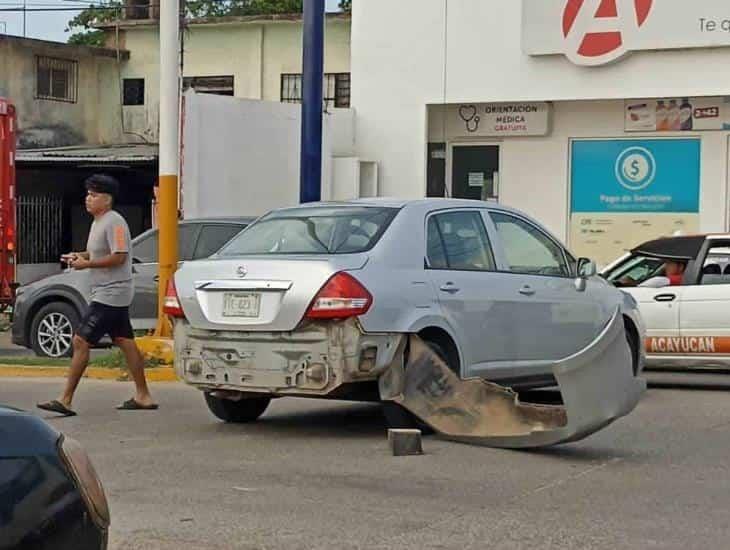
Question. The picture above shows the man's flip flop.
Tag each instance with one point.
(56, 407)
(132, 405)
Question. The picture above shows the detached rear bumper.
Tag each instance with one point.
(597, 385)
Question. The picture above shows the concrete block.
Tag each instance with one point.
(405, 442)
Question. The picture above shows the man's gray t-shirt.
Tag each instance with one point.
(112, 286)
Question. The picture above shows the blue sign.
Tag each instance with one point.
(629, 175)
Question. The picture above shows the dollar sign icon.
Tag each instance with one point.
(635, 169)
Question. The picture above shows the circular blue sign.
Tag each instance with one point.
(635, 168)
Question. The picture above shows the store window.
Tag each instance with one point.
(475, 172)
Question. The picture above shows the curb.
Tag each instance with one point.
(158, 374)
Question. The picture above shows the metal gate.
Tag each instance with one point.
(40, 229)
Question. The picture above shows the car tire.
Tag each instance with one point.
(52, 329)
(398, 417)
(237, 412)
(634, 348)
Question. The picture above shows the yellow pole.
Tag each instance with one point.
(168, 252)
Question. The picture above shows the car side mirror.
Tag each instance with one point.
(587, 268)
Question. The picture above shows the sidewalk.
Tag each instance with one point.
(35, 367)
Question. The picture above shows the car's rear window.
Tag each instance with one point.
(314, 230)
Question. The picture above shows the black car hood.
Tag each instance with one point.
(23, 434)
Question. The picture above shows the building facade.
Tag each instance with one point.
(65, 95)
(257, 57)
(607, 120)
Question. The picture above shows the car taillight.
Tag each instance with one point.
(87, 482)
(341, 297)
(172, 305)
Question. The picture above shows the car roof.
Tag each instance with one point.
(680, 248)
(390, 202)
(221, 219)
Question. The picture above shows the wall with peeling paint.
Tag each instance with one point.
(95, 117)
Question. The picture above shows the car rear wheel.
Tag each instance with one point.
(52, 330)
(237, 412)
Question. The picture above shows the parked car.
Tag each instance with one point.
(315, 301)
(46, 312)
(688, 324)
(50, 495)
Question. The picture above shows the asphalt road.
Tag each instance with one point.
(313, 474)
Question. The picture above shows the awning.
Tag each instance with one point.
(104, 154)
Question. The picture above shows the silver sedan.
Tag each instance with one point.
(320, 301)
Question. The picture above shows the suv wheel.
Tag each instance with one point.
(238, 412)
(51, 332)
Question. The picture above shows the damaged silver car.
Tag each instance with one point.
(443, 309)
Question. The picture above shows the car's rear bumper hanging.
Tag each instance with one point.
(597, 387)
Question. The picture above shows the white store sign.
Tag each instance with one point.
(499, 119)
(596, 32)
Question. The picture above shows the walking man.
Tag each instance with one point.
(109, 261)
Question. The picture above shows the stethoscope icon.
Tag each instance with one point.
(468, 113)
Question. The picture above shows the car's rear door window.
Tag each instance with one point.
(213, 237)
(716, 268)
(459, 241)
(314, 230)
(146, 250)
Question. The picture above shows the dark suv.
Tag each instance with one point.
(46, 311)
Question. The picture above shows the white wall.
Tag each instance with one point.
(398, 54)
(255, 53)
(241, 157)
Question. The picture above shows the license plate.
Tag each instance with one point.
(241, 304)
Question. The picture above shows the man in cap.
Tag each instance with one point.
(109, 261)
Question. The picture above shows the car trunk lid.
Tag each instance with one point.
(256, 293)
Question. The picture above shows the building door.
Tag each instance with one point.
(475, 171)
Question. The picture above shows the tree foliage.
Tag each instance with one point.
(83, 30)
(82, 24)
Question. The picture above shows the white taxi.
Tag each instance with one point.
(682, 286)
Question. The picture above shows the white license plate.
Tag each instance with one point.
(241, 304)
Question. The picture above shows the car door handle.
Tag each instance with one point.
(527, 291)
(156, 278)
(665, 297)
(450, 288)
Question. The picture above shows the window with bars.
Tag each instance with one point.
(134, 91)
(336, 89)
(219, 85)
(56, 79)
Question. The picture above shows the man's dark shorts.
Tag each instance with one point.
(101, 319)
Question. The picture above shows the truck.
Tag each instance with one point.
(8, 235)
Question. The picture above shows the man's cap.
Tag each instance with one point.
(100, 183)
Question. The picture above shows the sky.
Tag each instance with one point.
(51, 25)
